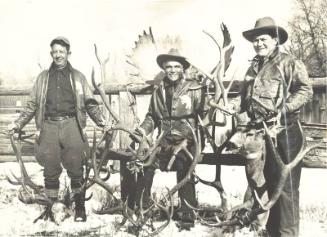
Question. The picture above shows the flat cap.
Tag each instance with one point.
(60, 40)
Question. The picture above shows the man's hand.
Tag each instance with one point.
(138, 135)
(106, 125)
(12, 127)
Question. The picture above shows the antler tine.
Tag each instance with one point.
(218, 73)
(97, 86)
(195, 160)
(127, 216)
(285, 168)
(151, 35)
(96, 177)
(218, 186)
(150, 156)
(169, 211)
(25, 179)
(178, 148)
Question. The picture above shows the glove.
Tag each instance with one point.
(138, 133)
(106, 125)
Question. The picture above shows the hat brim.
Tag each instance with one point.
(280, 32)
(168, 57)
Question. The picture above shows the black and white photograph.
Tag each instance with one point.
(163, 118)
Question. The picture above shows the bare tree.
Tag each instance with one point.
(308, 35)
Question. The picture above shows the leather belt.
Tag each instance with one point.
(58, 118)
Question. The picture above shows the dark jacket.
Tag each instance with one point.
(282, 83)
(84, 101)
(188, 102)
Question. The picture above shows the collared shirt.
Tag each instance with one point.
(170, 87)
(60, 97)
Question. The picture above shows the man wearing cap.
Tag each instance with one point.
(276, 86)
(59, 101)
(174, 107)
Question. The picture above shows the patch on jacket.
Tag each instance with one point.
(186, 100)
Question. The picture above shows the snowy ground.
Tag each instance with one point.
(17, 218)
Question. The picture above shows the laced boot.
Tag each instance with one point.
(80, 214)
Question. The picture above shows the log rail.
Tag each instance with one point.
(314, 132)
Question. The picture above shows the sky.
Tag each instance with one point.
(28, 26)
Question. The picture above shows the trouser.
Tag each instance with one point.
(181, 166)
(284, 216)
(61, 144)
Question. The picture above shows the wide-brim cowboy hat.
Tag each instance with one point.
(172, 55)
(266, 25)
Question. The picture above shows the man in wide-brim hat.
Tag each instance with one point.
(172, 55)
(266, 25)
(174, 108)
(276, 86)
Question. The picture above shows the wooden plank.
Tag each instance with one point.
(126, 117)
(317, 83)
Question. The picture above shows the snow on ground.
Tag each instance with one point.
(17, 218)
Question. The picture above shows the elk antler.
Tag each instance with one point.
(242, 214)
(36, 193)
(25, 179)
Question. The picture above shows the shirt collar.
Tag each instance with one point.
(66, 70)
(169, 83)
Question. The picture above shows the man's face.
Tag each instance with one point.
(173, 70)
(264, 45)
(59, 55)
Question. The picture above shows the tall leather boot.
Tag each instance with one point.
(80, 214)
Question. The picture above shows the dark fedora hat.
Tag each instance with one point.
(172, 55)
(266, 25)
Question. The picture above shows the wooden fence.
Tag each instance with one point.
(313, 116)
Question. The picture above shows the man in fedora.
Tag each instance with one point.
(276, 86)
(174, 108)
(59, 101)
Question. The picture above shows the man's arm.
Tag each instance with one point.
(300, 89)
(149, 124)
(29, 110)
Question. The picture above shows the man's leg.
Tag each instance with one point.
(186, 193)
(74, 152)
(284, 219)
(127, 185)
(48, 156)
(143, 187)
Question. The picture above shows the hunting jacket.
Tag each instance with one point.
(83, 97)
(188, 102)
(282, 83)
